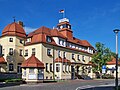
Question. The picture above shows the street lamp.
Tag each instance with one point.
(116, 79)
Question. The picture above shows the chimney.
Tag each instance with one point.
(20, 23)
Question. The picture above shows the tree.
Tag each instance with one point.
(101, 56)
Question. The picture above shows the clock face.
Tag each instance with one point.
(61, 27)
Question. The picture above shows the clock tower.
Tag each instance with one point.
(64, 28)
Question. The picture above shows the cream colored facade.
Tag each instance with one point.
(111, 70)
(41, 54)
(78, 55)
(14, 59)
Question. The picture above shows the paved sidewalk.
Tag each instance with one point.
(67, 85)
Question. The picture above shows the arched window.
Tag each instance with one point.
(11, 67)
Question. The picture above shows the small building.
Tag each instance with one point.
(33, 70)
(111, 67)
(3, 64)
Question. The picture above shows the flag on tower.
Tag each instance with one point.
(61, 11)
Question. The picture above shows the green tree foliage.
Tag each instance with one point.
(113, 54)
(101, 56)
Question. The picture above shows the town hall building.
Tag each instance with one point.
(45, 53)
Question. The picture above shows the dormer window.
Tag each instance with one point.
(29, 39)
(10, 39)
(21, 41)
(61, 42)
(48, 39)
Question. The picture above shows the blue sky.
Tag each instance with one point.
(92, 20)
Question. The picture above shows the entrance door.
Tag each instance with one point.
(72, 72)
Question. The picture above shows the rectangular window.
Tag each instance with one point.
(57, 67)
(58, 53)
(24, 73)
(73, 56)
(33, 51)
(20, 52)
(83, 58)
(51, 69)
(63, 67)
(31, 70)
(26, 52)
(11, 67)
(49, 52)
(46, 67)
(3, 52)
(66, 68)
(48, 39)
(78, 57)
(10, 39)
(64, 55)
(21, 41)
(11, 51)
(69, 68)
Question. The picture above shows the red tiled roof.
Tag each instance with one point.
(14, 29)
(40, 35)
(33, 62)
(41, 30)
(64, 60)
(2, 60)
(80, 42)
(112, 62)
(56, 33)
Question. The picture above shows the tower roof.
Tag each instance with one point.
(56, 33)
(13, 29)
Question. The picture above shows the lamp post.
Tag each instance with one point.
(116, 79)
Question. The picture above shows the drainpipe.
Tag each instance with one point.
(53, 65)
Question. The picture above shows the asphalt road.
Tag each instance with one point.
(67, 85)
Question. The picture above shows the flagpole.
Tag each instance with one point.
(64, 13)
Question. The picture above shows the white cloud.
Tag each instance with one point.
(29, 29)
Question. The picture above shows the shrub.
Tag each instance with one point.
(13, 80)
(107, 76)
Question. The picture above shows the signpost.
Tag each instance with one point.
(103, 69)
